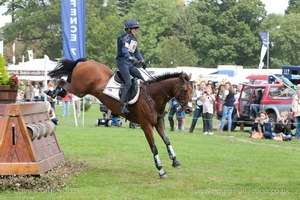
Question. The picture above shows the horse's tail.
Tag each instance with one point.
(64, 68)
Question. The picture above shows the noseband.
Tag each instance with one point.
(182, 94)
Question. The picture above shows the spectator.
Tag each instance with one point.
(256, 102)
(282, 127)
(296, 110)
(174, 108)
(36, 93)
(51, 113)
(237, 94)
(51, 86)
(28, 93)
(208, 110)
(183, 116)
(20, 95)
(262, 125)
(228, 106)
(66, 105)
(42, 91)
(199, 104)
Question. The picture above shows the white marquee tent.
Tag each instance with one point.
(34, 70)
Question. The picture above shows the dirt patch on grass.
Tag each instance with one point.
(54, 180)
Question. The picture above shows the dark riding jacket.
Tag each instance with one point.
(127, 47)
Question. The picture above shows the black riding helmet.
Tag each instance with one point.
(131, 23)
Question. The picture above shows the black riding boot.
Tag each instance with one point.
(124, 100)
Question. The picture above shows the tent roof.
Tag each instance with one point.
(33, 70)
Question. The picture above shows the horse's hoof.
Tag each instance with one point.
(162, 174)
(176, 164)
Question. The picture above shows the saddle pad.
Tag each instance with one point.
(112, 89)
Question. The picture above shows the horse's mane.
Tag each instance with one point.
(155, 79)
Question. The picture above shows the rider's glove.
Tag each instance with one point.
(144, 64)
(133, 61)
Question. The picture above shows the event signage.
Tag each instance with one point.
(73, 28)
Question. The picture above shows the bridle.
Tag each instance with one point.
(181, 90)
(182, 94)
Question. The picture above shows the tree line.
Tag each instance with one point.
(204, 33)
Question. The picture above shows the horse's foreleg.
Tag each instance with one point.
(160, 129)
(150, 138)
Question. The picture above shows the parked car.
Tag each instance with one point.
(276, 98)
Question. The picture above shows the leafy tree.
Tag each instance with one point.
(225, 31)
(124, 6)
(294, 7)
(176, 53)
(37, 26)
(155, 18)
(284, 38)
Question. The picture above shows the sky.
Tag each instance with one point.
(272, 6)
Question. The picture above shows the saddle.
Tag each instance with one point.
(114, 85)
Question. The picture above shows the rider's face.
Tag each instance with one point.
(134, 31)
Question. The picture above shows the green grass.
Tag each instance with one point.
(224, 166)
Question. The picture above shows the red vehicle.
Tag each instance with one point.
(276, 99)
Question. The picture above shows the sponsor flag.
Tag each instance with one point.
(73, 28)
(264, 36)
(30, 55)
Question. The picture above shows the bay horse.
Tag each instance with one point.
(90, 77)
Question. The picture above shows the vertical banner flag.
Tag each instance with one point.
(30, 55)
(73, 28)
(1, 48)
(264, 36)
(14, 53)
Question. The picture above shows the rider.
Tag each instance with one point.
(127, 49)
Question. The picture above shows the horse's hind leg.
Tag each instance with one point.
(160, 129)
(150, 138)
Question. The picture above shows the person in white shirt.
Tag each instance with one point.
(208, 110)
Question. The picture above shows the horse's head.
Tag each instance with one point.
(184, 92)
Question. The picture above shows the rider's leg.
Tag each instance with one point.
(136, 73)
(123, 67)
(124, 99)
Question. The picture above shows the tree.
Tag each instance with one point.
(37, 26)
(294, 7)
(155, 18)
(175, 53)
(225, 31)
(285, 40)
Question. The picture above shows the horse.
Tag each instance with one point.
(90, 77)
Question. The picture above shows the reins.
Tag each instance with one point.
(150, 76)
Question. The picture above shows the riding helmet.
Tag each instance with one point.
(131, 23)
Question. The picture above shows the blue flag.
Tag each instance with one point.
(73, 28)
(264, 36)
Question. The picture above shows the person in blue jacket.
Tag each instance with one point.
(127, 51)
(262, 124)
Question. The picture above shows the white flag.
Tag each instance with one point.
(30, 54)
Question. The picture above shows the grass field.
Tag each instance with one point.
(120, 165)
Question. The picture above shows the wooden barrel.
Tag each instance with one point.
(8, 94)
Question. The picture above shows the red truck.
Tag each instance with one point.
(276, 98)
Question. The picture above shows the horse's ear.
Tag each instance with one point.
(190, 76)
